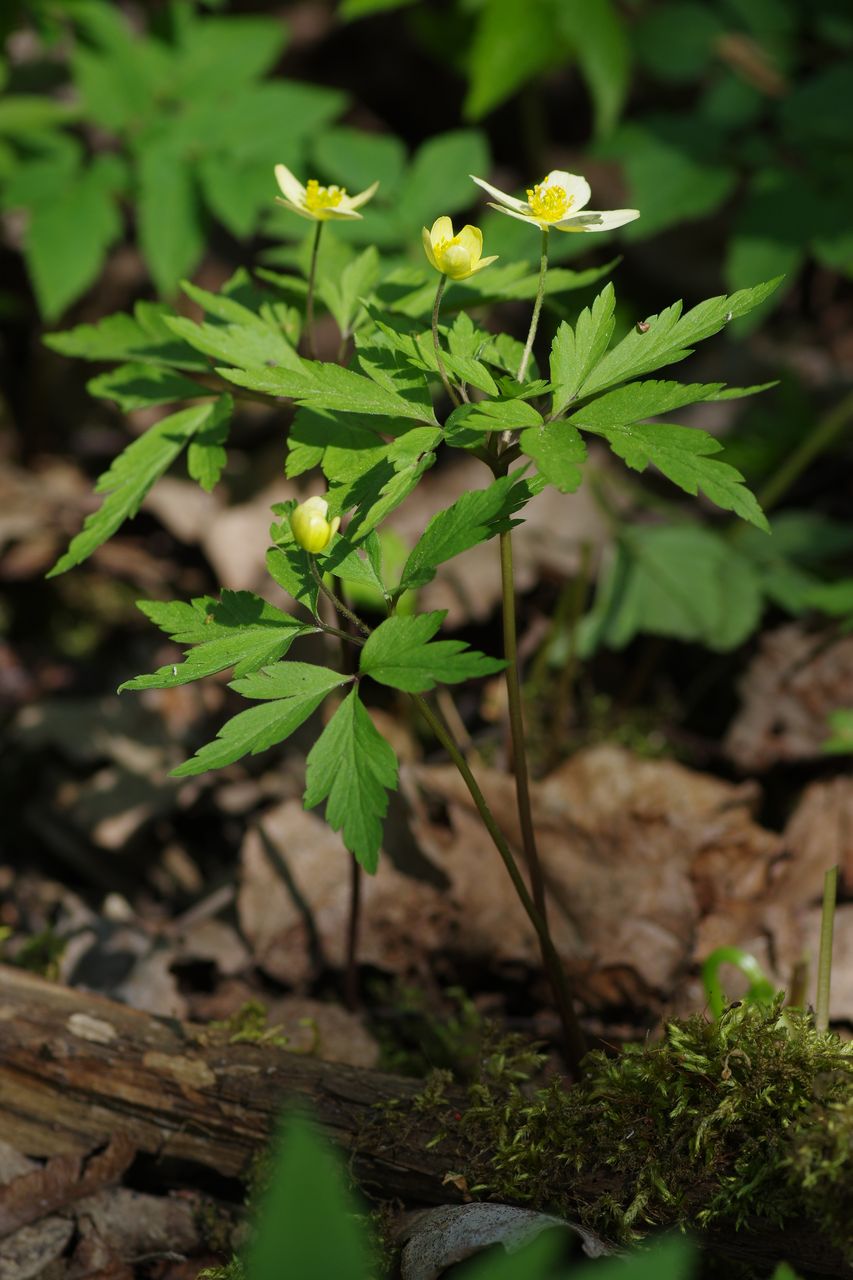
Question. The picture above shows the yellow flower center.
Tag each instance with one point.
(318, 198)
(549, 203)
(453, 258)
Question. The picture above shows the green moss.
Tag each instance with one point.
(721, 1122)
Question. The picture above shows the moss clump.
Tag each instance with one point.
(750, 1117)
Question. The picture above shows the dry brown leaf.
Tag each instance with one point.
(819, 835)
(790, 688)
(60, 1182)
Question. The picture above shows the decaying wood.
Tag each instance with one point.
(78, 1071)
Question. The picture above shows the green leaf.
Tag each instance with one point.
(438, 181)
(240, 631)
(669, 1258)
(171, 227)
(514, 41)
(360, 565)
(643, 400)
(133, 473)
(380, 491)
(601, 47)
(671, 337)
(840, 741)
(143, 336)
(63, 266)
(472, 519)
(308, 1226)
(401, 653)
(247, 346)
(343, 295)
(228, 51)
(328, 386)
(466, 422)
(355, 159)
(681, 454)
(576, 352)
(352, 767)
(135, 386)
(558, 450)
(683, 582)
(206, 456)
(299, 690)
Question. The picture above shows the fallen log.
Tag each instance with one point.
(78, 1071)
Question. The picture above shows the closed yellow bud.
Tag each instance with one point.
(311, 527)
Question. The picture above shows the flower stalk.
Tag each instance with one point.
(537, 308)
(310, 340)
(439, 359)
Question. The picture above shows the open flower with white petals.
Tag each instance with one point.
(319, 204)
(557, 202)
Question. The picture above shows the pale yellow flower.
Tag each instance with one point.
(319, 204)
(557, 202)
(311, 527)
(457, 256)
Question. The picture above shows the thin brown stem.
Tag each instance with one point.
(439, 293)
(351, 991)
(516, 724)
(575, 1041)
(333, 599)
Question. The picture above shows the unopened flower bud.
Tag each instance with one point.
(311, 527)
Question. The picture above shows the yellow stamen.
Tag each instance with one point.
(452, 257)
(318, 198)
(549, 203)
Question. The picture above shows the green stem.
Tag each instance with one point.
(537, 307)
(824, 963)
(516, 725)
(309, 299)
(439, 294)
(575, 1042)
(812, 444)
(335, 602)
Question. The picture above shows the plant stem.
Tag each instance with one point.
(811, 445)
(309, 299)
(351, 992)
(439, 294)
(537, 307)
(338, 604)
(824, 963)
(575, 1042)
(516, 725)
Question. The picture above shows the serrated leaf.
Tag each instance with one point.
(467, 422)
(576, 352)
(361, 565)
(326, 386)
(352, 768)
(142, 336)
(133, 473)
(381, 490)
(401, 653)
(469, 521)
(247, 346)
(671, 336)
(135, 386)
(437, 181)
(558, 450)
(240, 631)
(206, 456)
(302, 687)
(169, 213)
(343, 294)
(681, 454)
(643, 400)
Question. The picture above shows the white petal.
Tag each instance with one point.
(290, 186)
(296, 208)
(573, 185)
(340, 214)
(522, 217)
(607, 220)
(521, 205)
(355, 202)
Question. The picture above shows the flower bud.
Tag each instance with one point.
(311, 528)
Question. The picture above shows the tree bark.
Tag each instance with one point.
(77, 1071)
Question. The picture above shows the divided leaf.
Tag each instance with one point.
(576, 352)
(134, 472)
(558, 450)
(470, 520)
(240, 631)
(352, 767)
(328, 386)
(401, 653)
(681, 454)
(295, 691)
